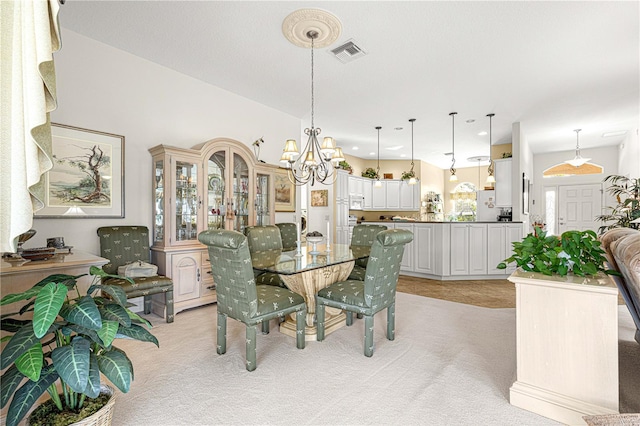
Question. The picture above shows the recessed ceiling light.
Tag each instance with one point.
(395, 148)
(471, 120)
(372, 153)
(610, 134)
(403, 155)
(482, 133)
(398, 128)
(355, 148)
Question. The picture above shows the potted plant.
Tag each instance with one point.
(345, 166)
(627, 193)
(578, 252)
(370, 173)
(408, 175)
(68, 341)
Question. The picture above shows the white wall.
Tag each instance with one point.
(629, 156)
(108, 90)
(522, 163)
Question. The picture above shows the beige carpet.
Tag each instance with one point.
(451, 364)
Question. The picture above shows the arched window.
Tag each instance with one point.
(463, 200)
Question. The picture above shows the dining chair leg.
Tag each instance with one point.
(251, 348)
(265, 327)
(301, 322)
(391, 321)
(147, 304)
(221, 345)
(368, 335)
(349, 318)
(320, 322)
(168, 303)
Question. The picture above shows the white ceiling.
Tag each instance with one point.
(553, 66)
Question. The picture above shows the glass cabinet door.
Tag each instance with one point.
(186, 201)
(158, 198)
(216, 202)
(263, 214)
(240, 194)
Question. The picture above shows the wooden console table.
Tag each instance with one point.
(567, 346)
(16, 279)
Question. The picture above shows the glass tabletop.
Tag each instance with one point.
(286, 263)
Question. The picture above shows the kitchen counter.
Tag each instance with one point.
(431, 221)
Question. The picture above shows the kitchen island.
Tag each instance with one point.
(457, 250)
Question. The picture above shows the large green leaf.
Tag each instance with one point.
(16, 297)
(28, 394)
(116, 367)
(12, 325)
(30, 363)
(108, 332)
(19, 344)
(72, 363)
(47, 307)
(93, 383)
(85, 332)
(9, 383)
(137, 332)
(84, 313)
(138, 319)
(115, 312)
(115, 293)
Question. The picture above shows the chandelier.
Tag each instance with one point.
(315, 163)
(453, 177)
(577, 161)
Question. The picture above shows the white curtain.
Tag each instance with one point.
(30, 34)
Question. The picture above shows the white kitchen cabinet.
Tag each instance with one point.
(356, 186)
(468, 249)
(367, 185)
(425, 248)
(392, 194)
(503, 183)
(342, 208)
(409, 196)
(500, 239)
(379, 197)
(407, 263)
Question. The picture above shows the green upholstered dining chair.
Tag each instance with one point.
(240, 298)
(127, 244)
(376, 292)
(363, 235)
(289, 234)
(265, 245)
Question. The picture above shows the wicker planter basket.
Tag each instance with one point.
(103, 416)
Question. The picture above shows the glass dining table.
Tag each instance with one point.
(308, 273)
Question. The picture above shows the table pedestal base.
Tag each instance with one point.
(307, 284)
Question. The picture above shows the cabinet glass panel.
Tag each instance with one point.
(216, 202)
(158, 209)
(186, 201)
(240, 196)
(263, 214)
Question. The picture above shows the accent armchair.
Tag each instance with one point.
(375, 293)
(241, 299)
(127, 244)
(289, 234)
(363, 235)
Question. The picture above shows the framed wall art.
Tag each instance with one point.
(320, 198)
(87, 179)
(285, 192)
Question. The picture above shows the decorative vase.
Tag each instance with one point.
(103, 416)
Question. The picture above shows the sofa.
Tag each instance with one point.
(622, 248)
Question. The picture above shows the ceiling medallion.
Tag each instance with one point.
(297, 24)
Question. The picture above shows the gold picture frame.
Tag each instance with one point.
(320, 198)
(285, 192)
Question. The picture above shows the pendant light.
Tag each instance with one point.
(491, 178)
(378, 183)
(412, 179)
(453, 177)
(577, 161)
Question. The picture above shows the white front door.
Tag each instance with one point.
(578, 206)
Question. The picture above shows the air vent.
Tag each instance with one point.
(348, 52)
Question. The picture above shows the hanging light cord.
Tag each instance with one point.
(490, 169)
(378, 169)
(453, 142)
(412, 120)
(312, 35)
